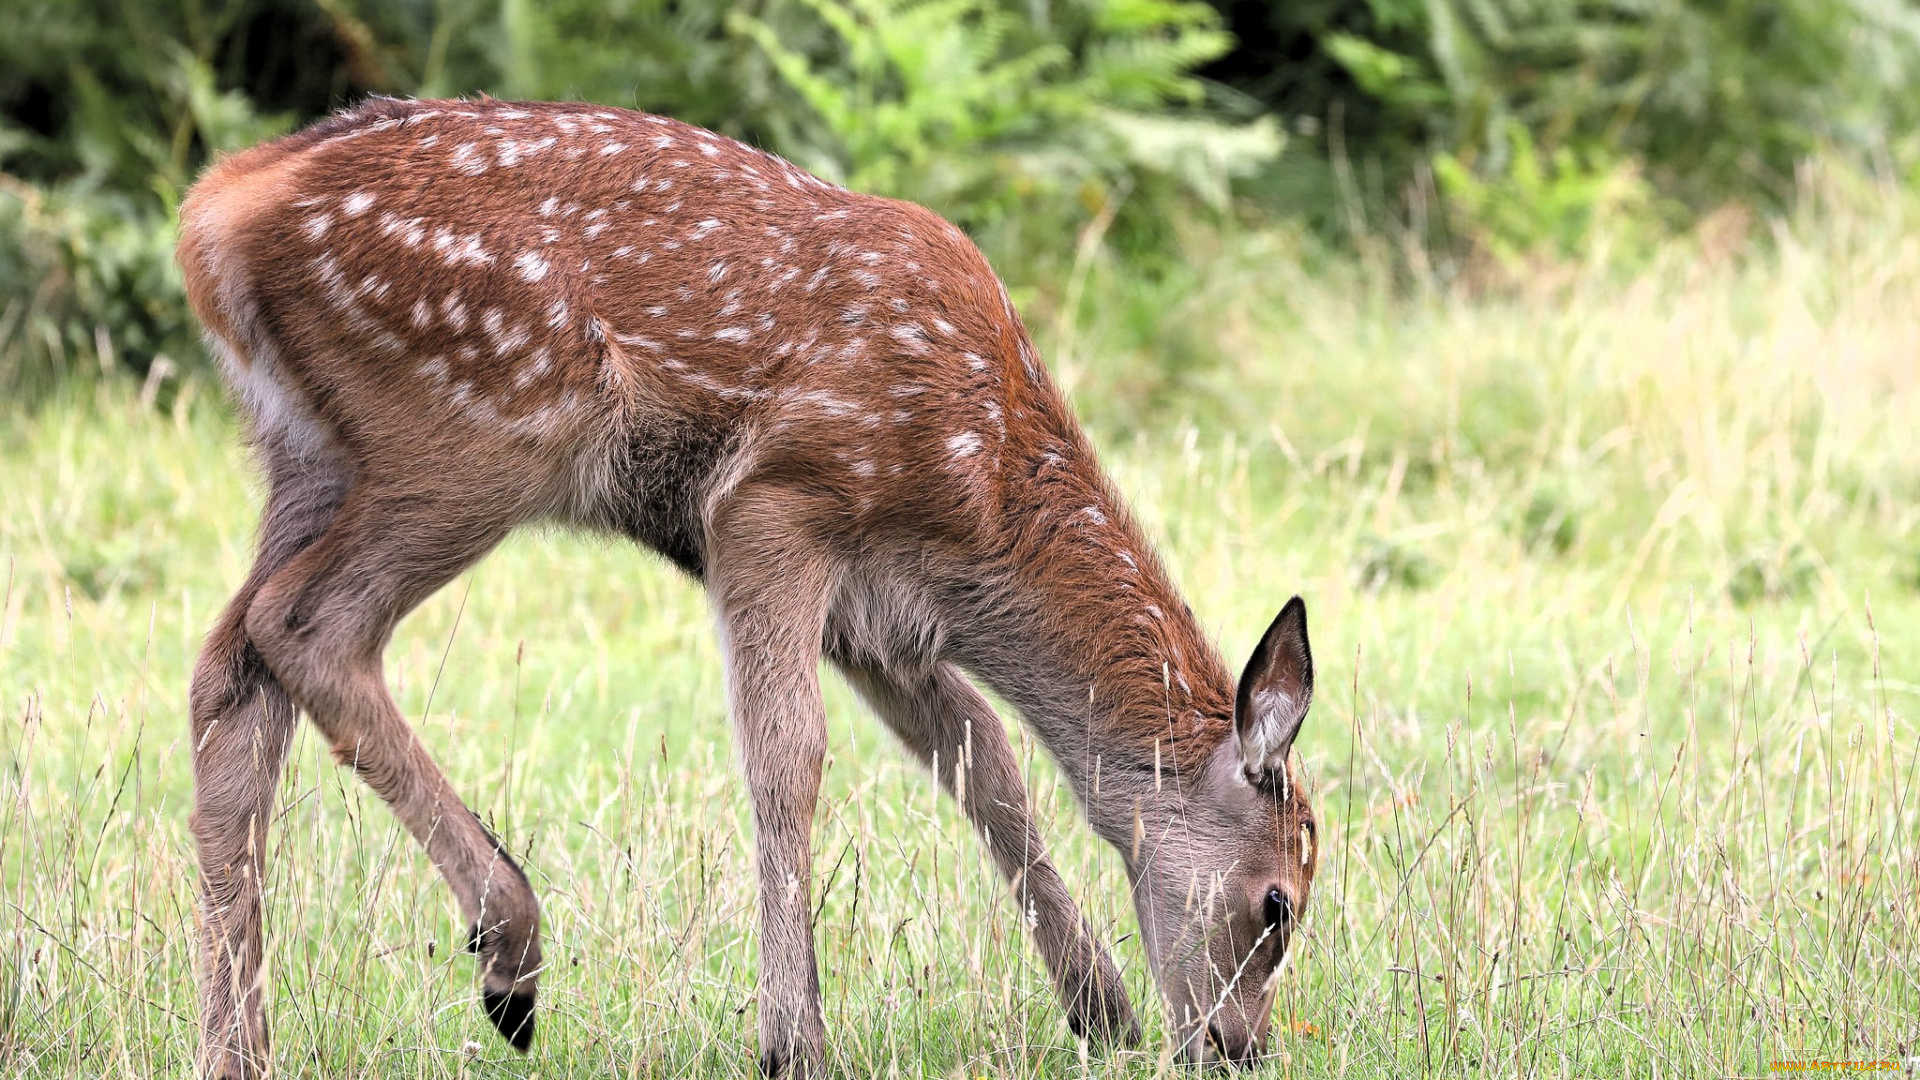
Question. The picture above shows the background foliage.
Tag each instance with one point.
(1484, 132)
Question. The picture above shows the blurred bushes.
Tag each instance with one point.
(999, 120)
(1715, 99)
(1503, 131)
(109, 111)
(1021, 121)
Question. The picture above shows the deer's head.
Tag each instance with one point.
(1221, 890)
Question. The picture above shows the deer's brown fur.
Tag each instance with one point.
(445, 319)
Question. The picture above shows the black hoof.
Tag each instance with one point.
(1100, 1013)
(512, 1013)
(1120, 1031)
(776, 1065)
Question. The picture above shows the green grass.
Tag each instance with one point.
(1616, 595)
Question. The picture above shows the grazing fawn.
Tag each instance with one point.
(444, 319)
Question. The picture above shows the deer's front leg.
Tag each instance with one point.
(770, 593)
(939, 715)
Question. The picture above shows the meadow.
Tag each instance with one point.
(1615, 587)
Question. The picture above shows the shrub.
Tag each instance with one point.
(86, 252)
(1556, 205)
(987, 115)
(1715, 99)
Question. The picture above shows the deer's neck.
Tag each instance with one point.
(1088, 638)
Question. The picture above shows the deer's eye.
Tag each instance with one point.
(1279, 908)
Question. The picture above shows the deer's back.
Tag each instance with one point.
(620, 296)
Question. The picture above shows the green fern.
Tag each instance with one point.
(968, 107)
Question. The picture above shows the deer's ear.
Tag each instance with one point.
(1274, 693)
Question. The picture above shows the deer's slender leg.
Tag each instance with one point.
(242, 723)
(769, 587)
(321, 624)
(940, 712)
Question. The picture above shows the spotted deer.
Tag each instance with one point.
(444, 319)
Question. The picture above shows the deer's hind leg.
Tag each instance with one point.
(242, 724)
(940, 716)
(322, 623)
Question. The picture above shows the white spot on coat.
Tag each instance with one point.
(912, 337)
(466, 158)
(641, 341)
(542, 361)
(828, 403)
(471, 251)
(532, 265)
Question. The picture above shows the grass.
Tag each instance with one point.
(1616, 594)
